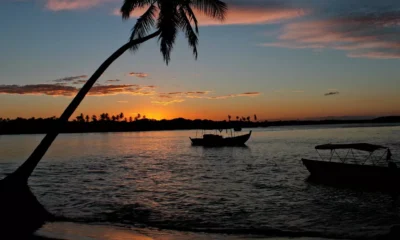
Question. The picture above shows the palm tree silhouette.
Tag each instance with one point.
(229, 118)
(21, 213)
(80, 118)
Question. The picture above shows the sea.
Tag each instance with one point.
(157, 180)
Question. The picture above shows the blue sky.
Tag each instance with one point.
(276, 59)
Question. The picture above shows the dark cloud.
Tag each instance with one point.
(69, 79)
(82, 81)
(249, 94)
(190, 94)
(203, 95)
(331, 93)
(36, 89)
(138, 74)
(62, 90)
(113, 80)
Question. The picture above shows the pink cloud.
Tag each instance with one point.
(165, 103)
(243, 15)
(59, 5)
(375, 37)
(375, 55)
(249, 16)
(138, 74)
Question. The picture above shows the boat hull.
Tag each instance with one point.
(368, 177)
(220, 142)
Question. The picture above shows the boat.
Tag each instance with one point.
(370, 173)
(217, 140)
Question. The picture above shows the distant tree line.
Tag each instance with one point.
(106, 122)
(105, 117)
(120, 123)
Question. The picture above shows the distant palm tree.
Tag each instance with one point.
(94, 118)
(87, 118)
(255, 118)
(166, 17)
(229, 118)
(138, 116)
(102, 117)
(130, 119)
(237, 118)
(80, 118)
(121, 116)
(248, 118)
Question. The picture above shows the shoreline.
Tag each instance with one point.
(88, 127)
(79, 231)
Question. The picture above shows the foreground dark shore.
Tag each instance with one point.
(42, 126)
(76, 231)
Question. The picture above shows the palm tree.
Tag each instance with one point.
(18, 206)
(229, 118)
(80, 118)
(255, 118)
(130, 119)
(87, 118)
(237, 118)
(121, 116)
(94, 118)
(102, 117)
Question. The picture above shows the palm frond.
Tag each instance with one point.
(144, 23)
(212, 8)
(129, 5)
(189, 12)
(168, 23)
(189, 32)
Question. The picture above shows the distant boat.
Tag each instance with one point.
(373, 172)
(216, 140)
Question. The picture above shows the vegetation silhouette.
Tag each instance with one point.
(21, 213)
(119, 123)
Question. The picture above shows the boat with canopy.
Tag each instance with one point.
(375, 170)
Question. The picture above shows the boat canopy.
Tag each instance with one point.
(358, 146)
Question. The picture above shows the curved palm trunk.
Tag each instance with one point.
(26, 169)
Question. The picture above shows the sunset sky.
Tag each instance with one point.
(286, 59)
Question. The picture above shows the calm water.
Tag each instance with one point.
(157, 179)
